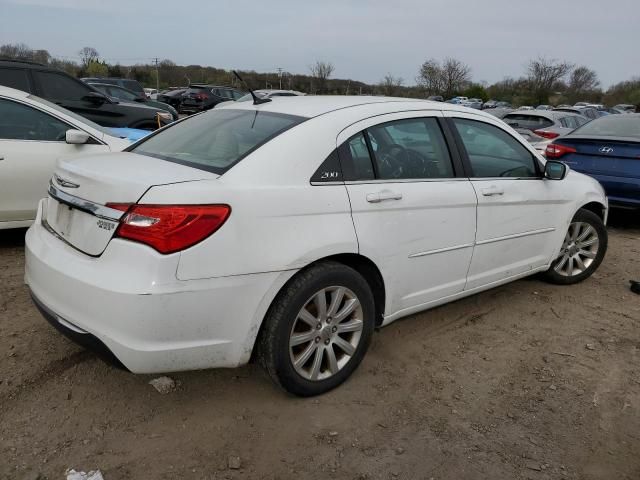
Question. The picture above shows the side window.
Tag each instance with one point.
(355, 159)
(21, 122)
(493, 152)
(581, 121)
(15, 78)
(410, 149)
(58, 86)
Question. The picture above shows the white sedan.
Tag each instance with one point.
(287, 231)
(34, 133)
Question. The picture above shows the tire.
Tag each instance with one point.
(318, 335)
(579, 259)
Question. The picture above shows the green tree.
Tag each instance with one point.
(96, 68)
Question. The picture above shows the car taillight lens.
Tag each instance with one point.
(554, 151)
(169, 228)
(546, 134)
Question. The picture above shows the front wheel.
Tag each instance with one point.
(318, 329)
(583, 249)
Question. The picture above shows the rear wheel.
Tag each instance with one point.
(583, 249)
(318, 329)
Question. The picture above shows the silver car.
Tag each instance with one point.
(545, 123)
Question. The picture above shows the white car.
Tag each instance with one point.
(289, 230)
(34, 133)
(151, 93)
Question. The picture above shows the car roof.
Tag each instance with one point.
(310, 106)
(13, 62)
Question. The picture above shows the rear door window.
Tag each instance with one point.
(410, 149)
(15, 78)
(355, 158)
(59, 86)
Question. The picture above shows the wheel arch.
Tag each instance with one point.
(596, 207)
(363, 265)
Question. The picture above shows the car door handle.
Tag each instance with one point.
(1, 158)
(382, 196)
(492, 190)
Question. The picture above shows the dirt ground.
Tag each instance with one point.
(526, 381)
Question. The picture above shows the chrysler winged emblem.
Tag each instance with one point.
(63, 182)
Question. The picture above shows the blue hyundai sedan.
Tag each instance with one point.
(608, 149)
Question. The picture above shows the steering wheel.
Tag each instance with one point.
(392, 157)
(61, 136)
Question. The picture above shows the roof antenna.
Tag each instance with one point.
(256, 99)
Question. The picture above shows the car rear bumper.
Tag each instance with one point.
(129, 306)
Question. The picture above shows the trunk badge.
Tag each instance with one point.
(64, 183)
(606, 150)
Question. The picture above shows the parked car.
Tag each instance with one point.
(120, 93)
(75, 95)
(269, 94)
(211, 242)
(503, 105)
(436, 98)
(625, 107)
(127, 83)
(590, 113)
(536, 141)
(545, 123)
(489, 104)
(544, 107)
(172, 97)
(499, 112)
(151, 93)
(475, 103)
(607, 149)
(526, 107)
(204, 97)
(34, 133)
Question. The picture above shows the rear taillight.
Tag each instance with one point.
(554, 151)
(546, 134)
(169, 228)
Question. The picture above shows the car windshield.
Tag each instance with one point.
(612, 126)
(73, 115)
(216, 140)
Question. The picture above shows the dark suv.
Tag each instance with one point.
(203, 97)
(73, 94)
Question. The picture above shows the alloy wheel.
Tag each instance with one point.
(579, 249)
(326, 333)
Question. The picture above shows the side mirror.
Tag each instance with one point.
(76, 137)
(555, 170)
(95, 98)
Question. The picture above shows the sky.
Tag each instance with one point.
(365, 40)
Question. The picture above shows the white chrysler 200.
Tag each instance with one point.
(290, 230)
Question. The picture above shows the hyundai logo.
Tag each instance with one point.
(606, 149)
(64, 183)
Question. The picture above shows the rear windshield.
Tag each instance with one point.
(216, 140)
(622, 125)
(532, 122)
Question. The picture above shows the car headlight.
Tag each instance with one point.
(166, 116)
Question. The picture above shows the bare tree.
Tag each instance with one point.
(390, 85)
(446, 79)
(430, 77)
(321, 71)
(16, 50)
(455, 76)
(543, 74)
(88, 55)
(582, 81)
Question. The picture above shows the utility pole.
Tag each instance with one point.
(280, 76)
(157, 76)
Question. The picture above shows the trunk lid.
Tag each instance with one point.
(79, 190)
